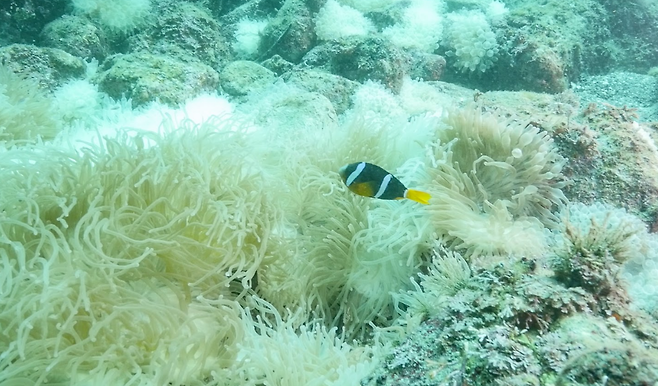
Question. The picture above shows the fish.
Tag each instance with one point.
(369, 180)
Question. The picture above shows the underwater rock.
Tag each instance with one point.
(290, 108)
(543, 49)
(145, 77)
(50, 67)
(277, 65)
(373, 59)
(21, 21)
(612, 158)
(427, 67)
(241, 77)
(77, 36)
(290, 33)
(336, 88)
(584, 350)
(634, 31)
(184, 31)
(514, 324)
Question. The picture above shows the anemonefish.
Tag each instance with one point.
(370, 180)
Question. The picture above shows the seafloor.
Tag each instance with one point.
(171, 211)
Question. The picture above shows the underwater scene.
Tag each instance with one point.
(328, 192)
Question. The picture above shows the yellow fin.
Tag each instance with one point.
(418, 196)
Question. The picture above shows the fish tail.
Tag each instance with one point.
(418, 196)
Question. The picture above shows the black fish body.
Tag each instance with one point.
(369, 180)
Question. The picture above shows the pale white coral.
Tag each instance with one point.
(336, 21)
(584, 216)
(118, 15)
(248, 34)
(513, 163)
(26, 112)
(496, 12)
(369, 5)
(641, 275)
(420, 28)
(353, 251)
(494, 184)
(144, 249)
(446, 274)
(476, 232)
(117, 258)
(79, 100)
(419, 97)
(376, 103)
(472, 41)
(278, 352)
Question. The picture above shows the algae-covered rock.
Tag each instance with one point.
(373, 59)
(77, 36)
(21, 21)
(242, 76)
(184, 31)
(145, 77)
(290, 33)
(50, 67)
(336, 88)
